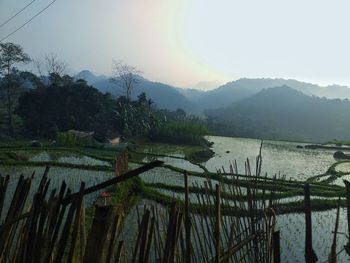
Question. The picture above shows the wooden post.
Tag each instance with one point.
(187, 222)
(113, 239)
(276, 247)
(310, 255)
(217, 223)
(347, 186)
(76, 224)
(82, 232)
(333, 256)
(98, 235)
(119, 251)
(121, 164)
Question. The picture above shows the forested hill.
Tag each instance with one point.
(255, 107)
(234, 91)
(164, 96)
(196, 101)
(284, 113)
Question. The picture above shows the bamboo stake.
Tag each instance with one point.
(310, 255)
(217, 224)
(98, 234)
(333, 254)
(187, 222)
(347, 186)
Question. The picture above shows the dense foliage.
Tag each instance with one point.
(179, 132)
(10, 80)
(68, 104)
(135, 118)
(65, 104)
(51, 105)
(66, 139)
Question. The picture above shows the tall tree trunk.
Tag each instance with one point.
(9, 111)
(9, 102)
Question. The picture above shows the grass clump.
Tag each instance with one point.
(200, 156)
(67, 139)
(180, 132)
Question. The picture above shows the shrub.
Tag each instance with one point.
(179, 132)
(66, 139)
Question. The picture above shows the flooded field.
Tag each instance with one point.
(283, 158)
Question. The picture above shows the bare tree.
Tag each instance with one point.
(125, 77)
(49, 65)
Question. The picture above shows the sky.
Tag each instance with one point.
(183, 42)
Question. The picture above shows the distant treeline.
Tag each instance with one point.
(46, 105)
(51, 101)
(68, 104)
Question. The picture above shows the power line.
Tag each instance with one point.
(30, 20)
(20, 11)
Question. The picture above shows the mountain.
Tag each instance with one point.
(197, 101)
(89, 77)
(242, 88)
(164, 96)
(226, 94)
(284, 113)
(191, 94)
(207, 85)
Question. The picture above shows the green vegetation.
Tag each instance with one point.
(281, 112)
(123, 196)
(179, 132)
(200, 156)
(338, 142)
(66, 139)
(66, 104)
(323, 194)
(10, 83)
(283, 208)
(47, 107)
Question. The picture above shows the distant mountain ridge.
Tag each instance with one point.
(285, 113)
(243, 88)
(260, 108)
(165, 96)
(196, 101)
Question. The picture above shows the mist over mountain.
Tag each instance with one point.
(89, 77)
(164, 96)
(196, 100)
(284, 113)
(191, 94)
(242, 88)
(259, 108)
(207, 85)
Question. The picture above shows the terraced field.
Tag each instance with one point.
(285, 169)
(291, 166)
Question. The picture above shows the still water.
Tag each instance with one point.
(278, 157)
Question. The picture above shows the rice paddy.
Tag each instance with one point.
(291, 166)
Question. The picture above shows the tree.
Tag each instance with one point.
(69, 105)
(142, 98)
(133, 118)
(180, 114)
(125, 77)
(50, 68)
(10, 55)
(150, 102)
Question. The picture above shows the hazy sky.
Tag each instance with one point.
(182, 42)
